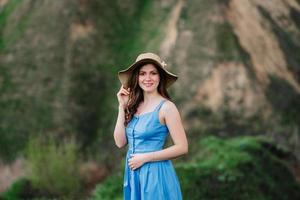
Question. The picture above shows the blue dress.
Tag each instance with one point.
(153, 180)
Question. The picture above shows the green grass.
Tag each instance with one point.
(10, 106)
(112, 188)
(53, 166)
(15, 190)
(4, 15)
(237, 168)
(284, 100)
(240, 168)
(227, 44)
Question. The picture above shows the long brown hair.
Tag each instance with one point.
(136, 93)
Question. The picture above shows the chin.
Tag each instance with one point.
(152, 89)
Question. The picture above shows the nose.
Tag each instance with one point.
(148, 77)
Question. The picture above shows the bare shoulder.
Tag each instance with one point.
(169, 107)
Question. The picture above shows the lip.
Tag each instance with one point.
(148, 84)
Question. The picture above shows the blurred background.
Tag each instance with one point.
(238, 93)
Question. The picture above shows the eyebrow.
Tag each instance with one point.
(149, 71)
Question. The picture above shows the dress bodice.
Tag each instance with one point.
(145, 133)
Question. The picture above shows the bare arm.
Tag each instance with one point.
(119, 132)
(174, 124)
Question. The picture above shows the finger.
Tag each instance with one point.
(132, 165)
(125, 92)
(121, 88)
(132, 155)
(124, 87)
(121, 91)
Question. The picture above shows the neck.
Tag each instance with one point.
(148, 97)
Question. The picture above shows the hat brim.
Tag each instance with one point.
(124, 75)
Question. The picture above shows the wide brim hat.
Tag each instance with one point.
(142, 59)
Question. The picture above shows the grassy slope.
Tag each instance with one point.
(239, 168)
(55, 85)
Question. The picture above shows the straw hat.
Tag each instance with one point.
(142, 59)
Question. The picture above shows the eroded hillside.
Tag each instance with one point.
(238, 63)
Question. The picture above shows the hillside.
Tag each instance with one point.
(238, 63)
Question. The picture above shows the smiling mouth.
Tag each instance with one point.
(148, 84)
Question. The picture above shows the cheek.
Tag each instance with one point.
(156, 78)
(140, 78)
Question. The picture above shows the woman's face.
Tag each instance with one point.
(148, 78)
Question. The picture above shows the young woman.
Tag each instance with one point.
(146, 117)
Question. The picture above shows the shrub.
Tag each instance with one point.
(239, 168)
(53, 167)
(109, 189)
(15, 191)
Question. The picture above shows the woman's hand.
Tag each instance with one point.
(137, 160)
(123, 96)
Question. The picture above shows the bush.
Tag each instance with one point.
(240, 168)
(15, 191)
(110, 189)
(54, 168)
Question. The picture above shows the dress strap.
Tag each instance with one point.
(160, 105)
